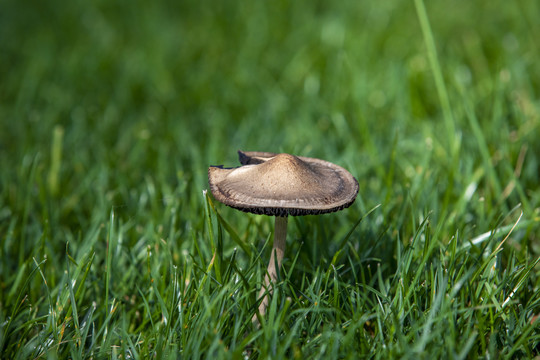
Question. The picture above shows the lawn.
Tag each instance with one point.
(111, 113)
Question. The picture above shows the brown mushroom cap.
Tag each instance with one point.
(283, 184)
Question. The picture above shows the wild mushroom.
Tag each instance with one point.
(281, 185)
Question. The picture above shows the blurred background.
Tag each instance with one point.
(139, 98)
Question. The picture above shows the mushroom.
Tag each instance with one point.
(281, 185)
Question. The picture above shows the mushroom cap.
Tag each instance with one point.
(283, 184)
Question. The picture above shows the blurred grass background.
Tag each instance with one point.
(166, 88)
(121, 106)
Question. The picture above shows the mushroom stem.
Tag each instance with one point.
(278, 250)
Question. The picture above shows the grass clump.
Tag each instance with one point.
(110, 114)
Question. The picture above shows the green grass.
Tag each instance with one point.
(111, 113)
